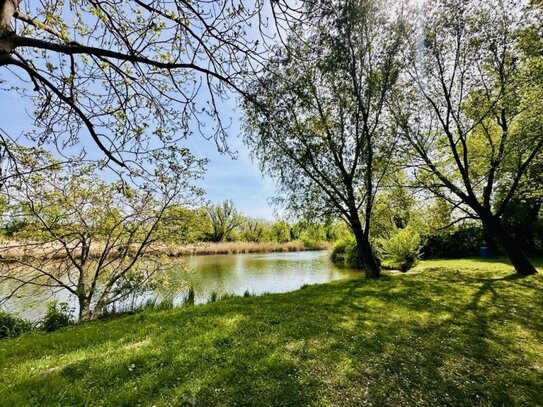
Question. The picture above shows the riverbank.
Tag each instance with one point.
(30, 249)
(210, 248)
(450, 332)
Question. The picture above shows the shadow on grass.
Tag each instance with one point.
(426, 339)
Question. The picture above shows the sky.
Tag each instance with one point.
(237, 179)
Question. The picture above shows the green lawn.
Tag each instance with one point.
(450, 332)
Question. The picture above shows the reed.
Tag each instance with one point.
(30, 249)
(209, 248)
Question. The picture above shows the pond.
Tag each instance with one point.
(256, 273)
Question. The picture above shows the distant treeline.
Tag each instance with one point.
(214, 223)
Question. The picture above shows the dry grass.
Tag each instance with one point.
(30, 249)
(228, 248)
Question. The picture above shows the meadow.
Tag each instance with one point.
(449, 332)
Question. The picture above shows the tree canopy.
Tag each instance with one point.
(319, 125)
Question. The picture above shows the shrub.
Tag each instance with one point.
(213, 297)
(462, 242)
(339, 249)
(58, 316)
(11, 326)
(402, 249)
(345, 251)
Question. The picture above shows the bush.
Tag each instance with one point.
(58, 316)
(402, 249)
(345, 251)
(462, 242)
(11, 326)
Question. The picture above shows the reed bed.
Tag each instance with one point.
(30, 249)
(209, 248)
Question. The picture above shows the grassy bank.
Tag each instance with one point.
(17, 250)
(458, 332)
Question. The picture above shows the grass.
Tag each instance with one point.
(450, 332)
(29, 249)
(207, 248)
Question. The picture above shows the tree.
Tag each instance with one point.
(224, 219)
(474, 119)
(280, 232)
(134, 76)
(318, 122)
(183, 225)
(254, 230)
(90, 238)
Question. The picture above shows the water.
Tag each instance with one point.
(223, 274)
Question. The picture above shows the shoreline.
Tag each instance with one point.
(11, 251)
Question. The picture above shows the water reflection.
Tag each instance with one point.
(223, 274)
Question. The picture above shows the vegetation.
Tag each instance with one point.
(90, 235)
(236, 248)
(402, 249)
(469, 112)
(224, 219)
(452, 332)
(317, 124)
(11, 326)
(57, 316)
(397, 131)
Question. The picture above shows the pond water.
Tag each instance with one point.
(223, 274)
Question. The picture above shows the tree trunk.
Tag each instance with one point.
(490, 241)
(85, 312)
(512, 247)
(366, 258)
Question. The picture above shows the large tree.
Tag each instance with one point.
(319, 122)
(474, 117)
(224, 219)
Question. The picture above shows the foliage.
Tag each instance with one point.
(224, 219)
(130, 77)
(87, 236)
(345, 251)
(395, 207)
(523, 218)
(182, 225)
(315, 120)
(463, 241)
(191, 296)
(427, 338)
(58, 316)
(402, 249)
(255, 230)
(280, 232)
(471, 110)
(11, 326)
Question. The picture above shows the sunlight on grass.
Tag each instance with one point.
(456, 332)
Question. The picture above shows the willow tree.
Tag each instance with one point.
(474, 115)
(224, 219)
(318, 122)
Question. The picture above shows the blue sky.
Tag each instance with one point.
(226, 178)
(237, 179)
